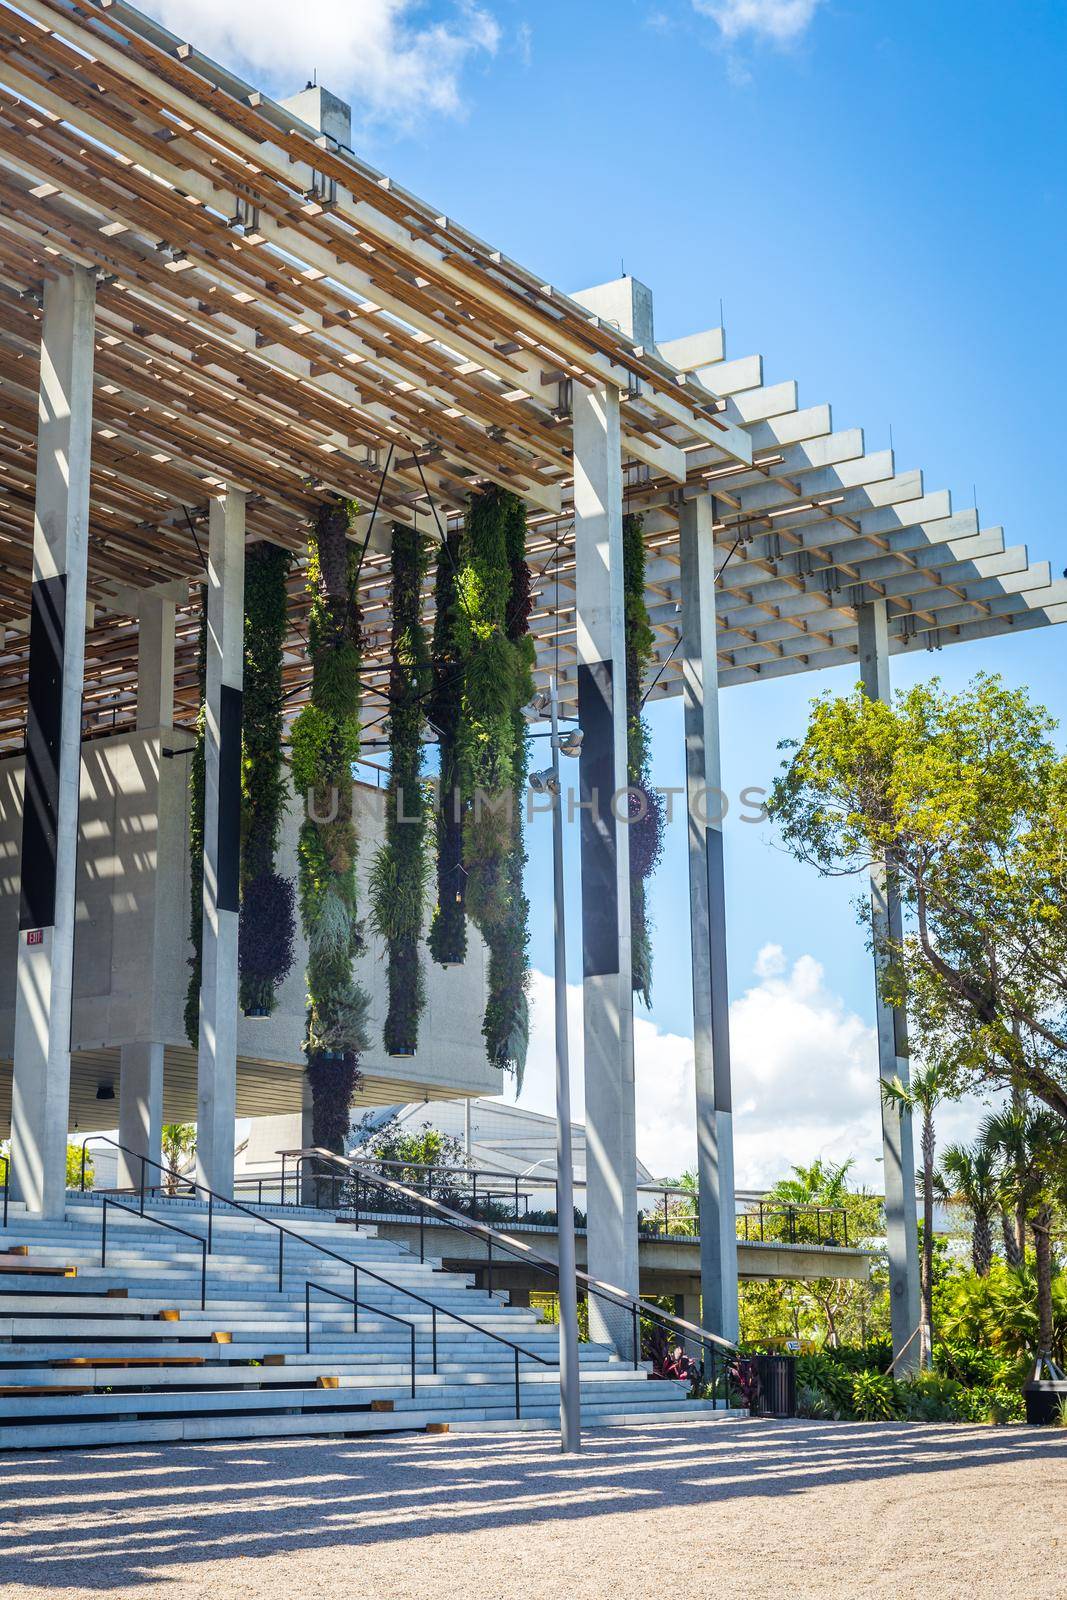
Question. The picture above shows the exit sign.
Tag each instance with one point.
(35, 936)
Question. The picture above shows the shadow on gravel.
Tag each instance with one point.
(109, 1519)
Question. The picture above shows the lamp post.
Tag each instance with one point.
(569, 1387)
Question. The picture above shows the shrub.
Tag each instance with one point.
(875, 1397)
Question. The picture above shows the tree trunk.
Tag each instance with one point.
(926, 1350)
(1041, 1227)
(981, 1244)
(1012, 1253)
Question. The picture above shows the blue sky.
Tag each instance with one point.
(875, 192)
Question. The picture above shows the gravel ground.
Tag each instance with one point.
(730, 1510)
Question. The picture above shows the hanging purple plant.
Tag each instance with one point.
(265, 939)
(646, 830)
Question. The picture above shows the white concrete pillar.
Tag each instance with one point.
(611, 1157)
(140, 1113)
(40, 1090)
(155, 662)
(217, 1054)
(898, 1146)
(707, 919)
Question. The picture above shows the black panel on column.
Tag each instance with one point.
(720, 1002)
(44, 720)
(596, 777)
(230, 714)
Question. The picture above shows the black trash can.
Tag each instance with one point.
(1044, 1397)
(776, 1395)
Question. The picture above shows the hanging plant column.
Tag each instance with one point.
(448, 930)
(325, 742)
(496, 656)
(267, 902)
(401, 867)
(646, 805)
(197, 780)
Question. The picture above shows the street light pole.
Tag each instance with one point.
(570, 1416)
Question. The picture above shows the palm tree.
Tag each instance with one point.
(971, 1178)
(179, 1139)
(1032, 1146)
(928, 1087)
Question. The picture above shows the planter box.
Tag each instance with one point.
(1043, 1397)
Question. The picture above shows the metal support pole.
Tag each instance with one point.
(570, 1414)
(902, 1232)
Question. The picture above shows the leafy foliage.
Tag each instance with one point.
(645, 804)
(448, 930)
(400, 872)
(325, 741)
(965, 799)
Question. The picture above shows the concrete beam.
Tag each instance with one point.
(217, 1051)
(155, 662)
(898, 1145)
(707, 908)
(40, 1092)
(607, 993)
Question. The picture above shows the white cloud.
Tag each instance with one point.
(780, 21)
(395, 63)
(805, 1078)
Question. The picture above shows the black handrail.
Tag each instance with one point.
(351, 1299)
(515, 1186)
(109, 1200)
(283, 1233)
(633, 1304)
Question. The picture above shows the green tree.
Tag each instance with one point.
(970, 1177)
(964, 798)
(1033, 1146)
(179, 1141)
(928, 1087)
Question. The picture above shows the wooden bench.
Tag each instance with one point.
(16, 1261)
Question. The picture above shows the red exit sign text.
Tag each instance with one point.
(35, 936)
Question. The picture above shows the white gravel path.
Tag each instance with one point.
(698, 1511)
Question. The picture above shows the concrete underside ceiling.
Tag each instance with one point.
(264, 1088)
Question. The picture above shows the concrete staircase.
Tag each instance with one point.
(93, 1355)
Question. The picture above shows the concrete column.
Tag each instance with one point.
(140, 1112)
(40, 1090)
(707, 918)
(611, 1159)
(897, 1140)
(155, 662)
(216, 1088)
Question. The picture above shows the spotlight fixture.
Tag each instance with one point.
(570, 744)
(545, 782)
(536, 708)
(105, 1091)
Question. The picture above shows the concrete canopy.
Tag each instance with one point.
(274, 315)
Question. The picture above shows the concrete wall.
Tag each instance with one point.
(132, 949)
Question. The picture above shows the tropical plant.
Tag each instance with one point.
(1033, 1145)
(496, 657)
(964, 798)
(999, 1313)
(400, 872)
(645, 805)
(197, 780)
(179, 1141)
(928, 1087)
(268, 920)
(970, 1177)
(875, 1397)
(324, 744)
(448, 930)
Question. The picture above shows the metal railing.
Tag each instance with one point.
(355, 1303)
(213, 1198)
(489, 1195)
(435, 1214)
(109, 1200)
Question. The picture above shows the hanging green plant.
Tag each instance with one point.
(400, 873)
(496, 656)
(268, 921)
(324, 744)
(645, 803)
(448, 930)
(197, 781)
